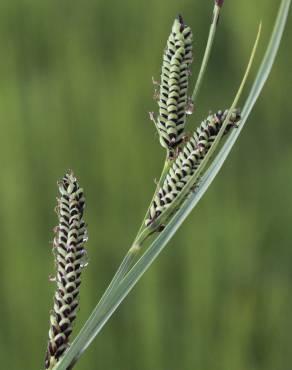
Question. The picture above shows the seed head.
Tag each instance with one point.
(174, 84)
(188, 161)
(68, 247)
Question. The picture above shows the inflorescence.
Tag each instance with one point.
(69, 251)
(184, 156)
(173, 97)
(188, 161)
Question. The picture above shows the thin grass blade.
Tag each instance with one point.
(212, 32)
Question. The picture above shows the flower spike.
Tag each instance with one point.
(69, 251)
(174, 84)
(188, 161)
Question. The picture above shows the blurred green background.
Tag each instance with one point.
(75, 92)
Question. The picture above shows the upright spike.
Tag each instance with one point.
(69, 251)
(174, 84)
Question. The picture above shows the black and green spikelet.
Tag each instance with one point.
(173, 97)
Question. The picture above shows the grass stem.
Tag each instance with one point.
(207, 53)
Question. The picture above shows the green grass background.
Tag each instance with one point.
(75, 92)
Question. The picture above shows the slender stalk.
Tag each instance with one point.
(142, 235)
(212, 32)
(126, 264)
(167, 164)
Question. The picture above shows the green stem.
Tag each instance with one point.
(126, 264)
(167, 164)
(141, 237)
(208, 49)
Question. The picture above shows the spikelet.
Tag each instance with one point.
(174, 84)
(70, 236)
(188, 161)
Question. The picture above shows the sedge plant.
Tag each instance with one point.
(191, 164)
